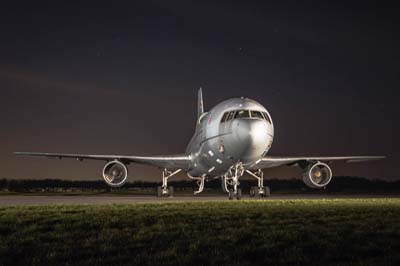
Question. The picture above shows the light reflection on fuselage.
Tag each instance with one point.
(236, 130)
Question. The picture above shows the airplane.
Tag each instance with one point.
(232, 138)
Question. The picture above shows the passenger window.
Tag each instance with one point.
(256, 114)
(224, 117)
(242, 114)
(266, 116)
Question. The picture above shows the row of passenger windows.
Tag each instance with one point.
(244, 114)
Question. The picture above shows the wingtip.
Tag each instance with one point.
(367, 158)
(20, 153)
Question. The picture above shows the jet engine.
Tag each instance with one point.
(317, 175)
(115, 173)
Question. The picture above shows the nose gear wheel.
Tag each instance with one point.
(230, 181)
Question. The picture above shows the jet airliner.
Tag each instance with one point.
(231, 139)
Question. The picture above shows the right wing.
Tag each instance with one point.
(275, 161)
(171, 162)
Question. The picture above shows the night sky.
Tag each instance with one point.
(123, 78)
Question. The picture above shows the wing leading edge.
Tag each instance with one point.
(182, 161)
(275, 161)
(179, 161)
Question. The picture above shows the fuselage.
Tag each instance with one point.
(235, 130)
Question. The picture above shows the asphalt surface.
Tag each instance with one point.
(10, 200)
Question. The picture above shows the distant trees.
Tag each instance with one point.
(338, 184)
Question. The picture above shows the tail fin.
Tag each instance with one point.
(200, 107)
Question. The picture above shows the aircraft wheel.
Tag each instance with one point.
(171, 192)
(252, 192)
(159, 192)
(231, 194)
(239, 194)
(267, 192)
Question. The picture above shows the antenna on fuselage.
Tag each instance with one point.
(200, 106)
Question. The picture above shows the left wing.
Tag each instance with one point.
(172, 162)
(274, 161)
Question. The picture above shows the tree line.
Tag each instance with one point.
(338, 184)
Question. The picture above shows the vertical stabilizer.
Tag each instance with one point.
(200, 107)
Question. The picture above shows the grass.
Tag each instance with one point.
(274, 232)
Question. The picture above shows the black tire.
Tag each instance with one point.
(231, 194)
(267, 192)
(252, 192)
(223, 185)
(239, 194)
(171, 192)
(159, 192)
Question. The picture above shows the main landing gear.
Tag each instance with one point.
(200, 183)
(260, 190)
(164, 190)
(230, 181)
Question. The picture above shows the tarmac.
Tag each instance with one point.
(18, 200)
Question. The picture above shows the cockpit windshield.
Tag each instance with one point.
(230, 115)
(244, 114)
(266, 116)
(256, 114)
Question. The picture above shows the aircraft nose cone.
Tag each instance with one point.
(258, 133)
(255, 137)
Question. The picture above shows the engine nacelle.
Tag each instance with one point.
(318, 175)
(115, 173)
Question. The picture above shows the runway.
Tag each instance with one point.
(18, 200)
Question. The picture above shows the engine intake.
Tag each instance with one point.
(318, 175)
(115, 173)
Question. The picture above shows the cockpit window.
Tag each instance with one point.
(224, 117)
(242, 114)
(231, 115)
(256, 114)
(266, 116)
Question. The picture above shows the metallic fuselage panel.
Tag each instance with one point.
(216, 146)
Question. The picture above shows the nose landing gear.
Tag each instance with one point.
(238, 194)
(230, 181)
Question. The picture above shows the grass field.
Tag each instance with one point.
(277, 232)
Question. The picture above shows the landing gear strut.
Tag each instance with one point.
(200, 182)
(260, 190)
(230, 181)
(164, 190)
